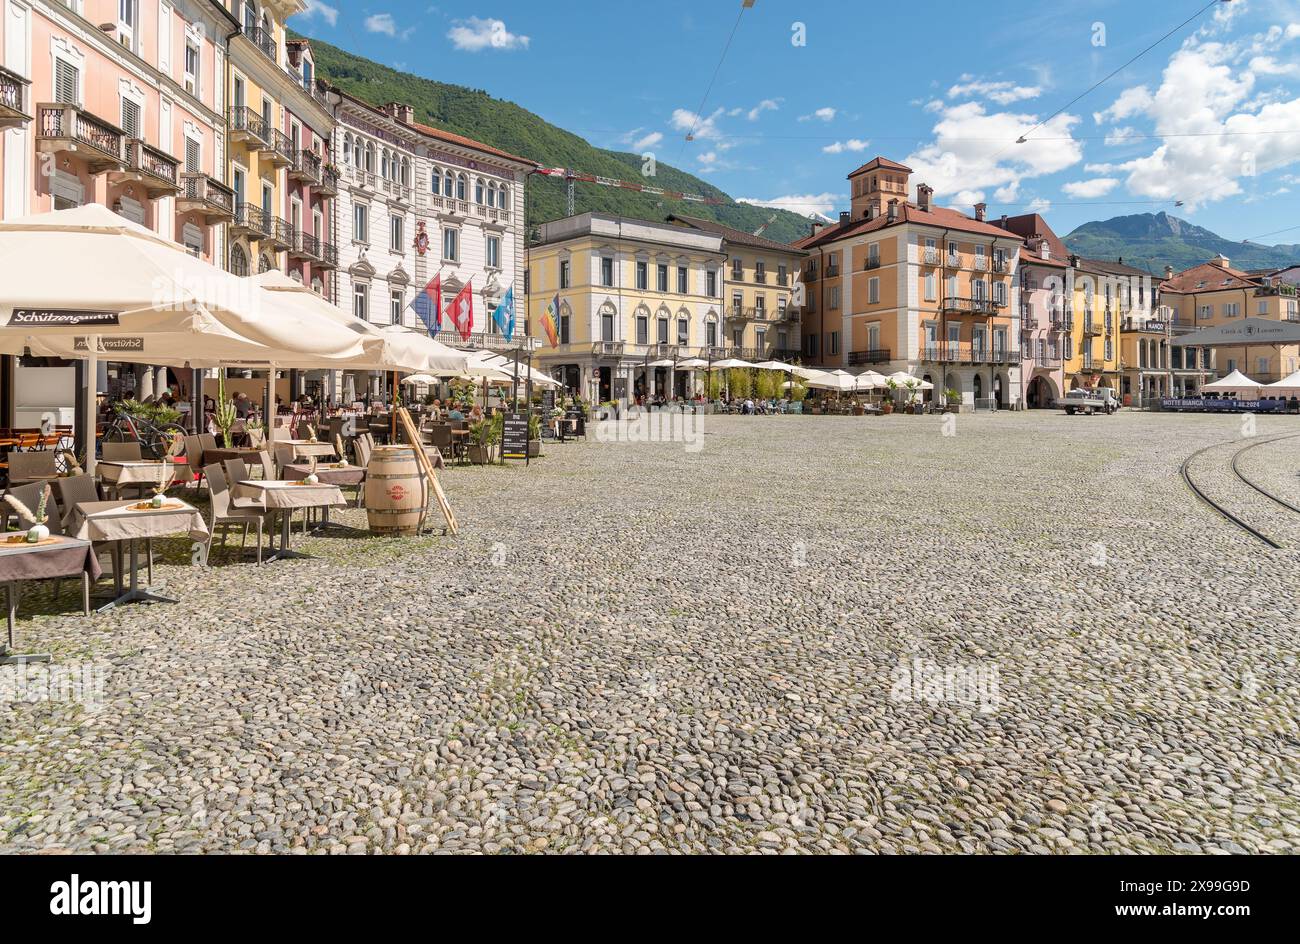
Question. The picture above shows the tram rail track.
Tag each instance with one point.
(1220, 508)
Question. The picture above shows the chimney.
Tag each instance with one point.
(844, 217)
(403, 113)
(873, 211)
(1220, 260)
(816, 227)
(1003, 222)
(923, 194)
(893, 209)
(980, 208)
(1169, 271)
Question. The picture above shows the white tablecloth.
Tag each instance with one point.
(118, 521)
(279, 494)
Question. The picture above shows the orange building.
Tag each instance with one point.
(903, 285)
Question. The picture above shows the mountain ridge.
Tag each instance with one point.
(1154, 240)
(510, 127)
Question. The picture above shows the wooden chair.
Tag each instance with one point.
(226, 512)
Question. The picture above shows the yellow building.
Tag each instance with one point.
(762, 322)
(1091, 336)
(1214, 293)
(636, 298)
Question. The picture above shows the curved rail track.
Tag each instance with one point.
(1236, 468)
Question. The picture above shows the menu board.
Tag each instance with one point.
(514, 436)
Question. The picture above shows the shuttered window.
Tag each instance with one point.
(131, 119)
(193, 164)
(67, 79)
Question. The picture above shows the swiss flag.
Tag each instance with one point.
(462, 311)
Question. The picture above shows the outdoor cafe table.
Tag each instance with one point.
(284, 495)
(56, 556)
(247, 453)
(124, 521)
(305, 448)
(133, 473)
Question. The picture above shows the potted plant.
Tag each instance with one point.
(38, 531)
(954, 400)
(225, 416)
(534, 435)
(483, 435)
(256, 432)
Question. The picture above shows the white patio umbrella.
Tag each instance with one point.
(728, 362)
(692, 363)
(420, 379)
(663, 362)
(836, 380)
(88, 281)
(869, 380)
(501, 361)
(775, 365)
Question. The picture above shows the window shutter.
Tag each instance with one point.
(131, 119)
(66, 80)
(192, 162)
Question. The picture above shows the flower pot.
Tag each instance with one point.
(157, 501)
(37, 533)
(887, 407)
(534, 448)
(479, 455)
(312, 479)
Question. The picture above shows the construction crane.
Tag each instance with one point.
(570, 177)
(770, 220)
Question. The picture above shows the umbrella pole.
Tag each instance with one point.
(91, 414)
(392, 438)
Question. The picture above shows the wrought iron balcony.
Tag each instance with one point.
(278, 148)
(281, 233)
(14, 105)
(329, 256)
(971, 306)
(304, 246)
(251, 221)
(263, 40)
(248, 126)
(202, 194)
(329, 181)
(952, 352)
(930, 255)
(873, 262)
(878, 355)
(1092, 329)
(306, 167)
(157, 172)
(71, 129)
(999, 265)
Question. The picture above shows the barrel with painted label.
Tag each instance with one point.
(395, 491)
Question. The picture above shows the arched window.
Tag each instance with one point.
(238, 260)
(503, 198)
(462, 183)
(406, 172)
(266, 265)
(448, 184)
(478, 191)
(347, 149)
(492, 194)
(317, 285)
(383, 163)
(435, 181)
(357, 157)
(370, 158)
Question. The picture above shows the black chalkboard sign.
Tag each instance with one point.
(514, 436)
(548, 403)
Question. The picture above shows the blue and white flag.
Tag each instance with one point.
(504, 316)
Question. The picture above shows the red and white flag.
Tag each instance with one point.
(462, 311)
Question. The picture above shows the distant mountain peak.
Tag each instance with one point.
(1155, 240)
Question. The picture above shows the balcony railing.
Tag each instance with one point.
(304, 246)
(63, 128)
(156, 171)
(281, 233)
(202, 194)
(329, 181)
(760, 276)
(952, 352)
(306, 167)
(930, 255)
(876, 355)
(607, 349)
(248, 125)
(14, 107)
(981, 261)
(329, 256)
(264, 41)
(252, 220)
(396, 190)
(999, 265)
(1092, 329)
(1281, 289)
(278, 147)
(873, 262)
(974, 306)
(742, 313)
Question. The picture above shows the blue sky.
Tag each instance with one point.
(809, 90)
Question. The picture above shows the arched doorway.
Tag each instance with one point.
(928, 395)
(1040, 395)
(997, 390)
(977, 386)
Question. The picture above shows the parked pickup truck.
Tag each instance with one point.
(1089, 401)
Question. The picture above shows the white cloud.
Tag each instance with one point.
(1003, 93)
(1088, 189)
(704, 128)
(649, 141)
(804, 203)
(326, 12)
(1117, 136)
(821, 114)
(767, 104)
(1132, 101)
(1267, 65)
(1039, 205)
(476, 34)
(974, 150)
(708, 159)
(385, 24)
(852, 144)
(1207, 89)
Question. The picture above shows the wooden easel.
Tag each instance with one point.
(426, 467)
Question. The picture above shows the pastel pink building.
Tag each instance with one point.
(117, 102)
(1045, 296)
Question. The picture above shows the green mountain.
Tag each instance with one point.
(1155, 240)
(476, 114)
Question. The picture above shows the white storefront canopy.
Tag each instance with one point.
(1243, 332)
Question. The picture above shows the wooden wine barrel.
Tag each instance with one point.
(395, 491)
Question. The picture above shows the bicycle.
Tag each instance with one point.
(155, 439)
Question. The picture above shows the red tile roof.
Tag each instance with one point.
(463, 141)
(1031, 257)
(941, 217)
(1207, 277)
(882, 162)
(1027, 224)
(731, 235)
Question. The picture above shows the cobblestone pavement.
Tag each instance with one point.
(811, 634)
